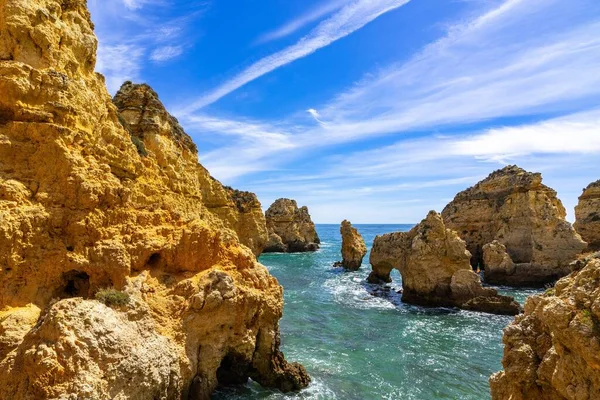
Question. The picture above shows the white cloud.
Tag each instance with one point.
(302, 21)
(166, 53)
(347, 20)
(119, 63)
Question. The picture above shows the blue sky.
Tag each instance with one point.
(372, 110)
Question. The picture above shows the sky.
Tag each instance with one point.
(376, 111)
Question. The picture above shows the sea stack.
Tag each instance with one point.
(290, 228)
(552, 351)
(513, 207)
(587, 216)
(353, 247)
(434, 264)
(117, 280)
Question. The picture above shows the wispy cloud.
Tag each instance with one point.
(166, 53)
(132, 32)
(341, 24)
(303, 20)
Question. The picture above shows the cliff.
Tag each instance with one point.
(145, 118)
(353, 246)
(513, 207)
(552, 351)
(290, 228)
(434, 264)
(587, 216)
(92, 199)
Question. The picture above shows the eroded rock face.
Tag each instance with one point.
(513, 207)
(148, 122)
(434, 264)
(552, 351)
(82, 207)
(587, 216)
(290, 228)
(354, 248)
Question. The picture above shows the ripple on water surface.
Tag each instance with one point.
(359, 341)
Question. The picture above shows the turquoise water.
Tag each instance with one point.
(359, 341)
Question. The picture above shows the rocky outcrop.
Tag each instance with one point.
(587, 216)
(146, 119)
(513, 207)
(552, 351)
(93, 199)
(354, 248)
(434, 264)
(290, 228)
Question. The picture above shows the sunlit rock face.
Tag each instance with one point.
(290, 228)
(434, 264)
(149, 124)
(354, 248)
(91, 198)
(552, 351)
(513, 207)
(587, 215)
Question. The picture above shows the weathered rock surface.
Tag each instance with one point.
(84, 206)
(587, 216)
(434, 264)
(147, 121)
(290, 228)
(552, 351)
(354, 248)
(513, 207)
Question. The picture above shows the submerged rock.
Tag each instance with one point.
(587, 216)
(150, 125)
(93, 199)
(552, 351)
(354, 248)
(434, 264)
(290, 228)
(513, 207)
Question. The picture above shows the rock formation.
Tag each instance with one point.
(147, 120)
(353, 247)
(552, 351)
(513, 207)
(434, 264)
(91, 199)
(290, 228)
(587, 215)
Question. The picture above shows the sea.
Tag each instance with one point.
(359, 341)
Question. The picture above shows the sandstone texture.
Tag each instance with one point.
(354, 248)
(290, 228)
(434, 264)
(91, 198)
(587, 216)
(513, 207)
(146, 119)
(552, 351)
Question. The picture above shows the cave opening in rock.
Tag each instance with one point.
(76, 284)
(154, 260)
(234, 370)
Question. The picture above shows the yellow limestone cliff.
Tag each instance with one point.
(552, 351)
(354, 248)
(587, 214)
(92, 199)
(514, 207)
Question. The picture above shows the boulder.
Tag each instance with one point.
(434, 264)
(291, 229)
(552, 350)
(513, 207)
(353, 247)
(96, 201)
(587, 216)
